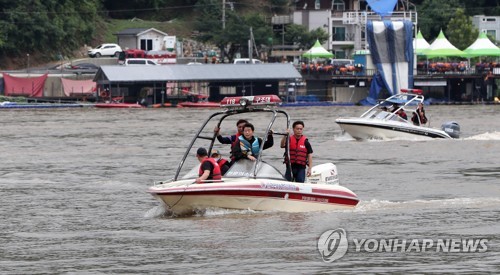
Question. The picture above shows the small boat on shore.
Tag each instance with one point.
(198, 101)
(16, 105)
(251, 185)
(201, 104)
(118, 105)
(380, 123)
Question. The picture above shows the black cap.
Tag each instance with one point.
(202, 152)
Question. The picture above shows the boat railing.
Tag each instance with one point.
(383, 115)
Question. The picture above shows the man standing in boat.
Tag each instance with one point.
(300, 154)
(248, 146)
(209, 169)
(419, 115)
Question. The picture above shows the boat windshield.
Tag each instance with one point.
(244, 168)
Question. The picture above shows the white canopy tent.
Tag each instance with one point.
(441, 47)
(420, 44)
(482, 47)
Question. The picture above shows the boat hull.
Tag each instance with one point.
(255, 194)
(363, 129)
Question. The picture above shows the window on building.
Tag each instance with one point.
(317, 4)
(338, 33)
(227, 90)
(340, 54)
(492, 33)
(491, 19)
(338, 5)
(147, 44)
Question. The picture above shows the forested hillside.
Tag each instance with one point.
(49, 29)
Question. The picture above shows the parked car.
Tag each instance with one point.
(246, 61)
(105, 50)
(139, 61)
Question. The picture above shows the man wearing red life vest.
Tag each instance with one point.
(209, 169)
(300, 154)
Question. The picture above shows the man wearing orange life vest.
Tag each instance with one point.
(209, 169)
(300, 154)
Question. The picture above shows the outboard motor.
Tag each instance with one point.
(144, 102)
(451, 128)
(324, 173)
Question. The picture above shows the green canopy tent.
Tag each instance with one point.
(482, 47)
(317, 51)
(441, 47)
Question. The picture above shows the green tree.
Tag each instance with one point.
(48, 26)
(460, 31)
(298, 35)
(233, 38)
(433, 15)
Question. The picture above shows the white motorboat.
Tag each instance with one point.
(252, 185)
(380, 123)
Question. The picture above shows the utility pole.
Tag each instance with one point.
(222, 47)
(223, 14)
(250, 46)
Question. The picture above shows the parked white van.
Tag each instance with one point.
(341, 62)
(246, 61)
(139, 61)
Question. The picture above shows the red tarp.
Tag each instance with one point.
(24, 86)
(78, 87)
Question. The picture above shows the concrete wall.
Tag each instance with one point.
(128, 42)
(155, 37)
(346, 94)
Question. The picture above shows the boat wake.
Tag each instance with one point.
(156, 212)
(485, 136)
(377, 205)
(161, 211)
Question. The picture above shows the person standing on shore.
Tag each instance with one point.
(300, 154)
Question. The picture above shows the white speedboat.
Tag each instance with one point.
(380, 123)
(253, 185)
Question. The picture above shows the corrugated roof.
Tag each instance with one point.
(131, 31)
(138, 31)
(205, 72)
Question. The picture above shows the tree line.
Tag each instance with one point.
(58, 27)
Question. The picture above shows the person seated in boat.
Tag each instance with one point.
(419, 115)
(248, 145)
(400, 112)
(209, 169)
(300, 154)
(223, 163)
